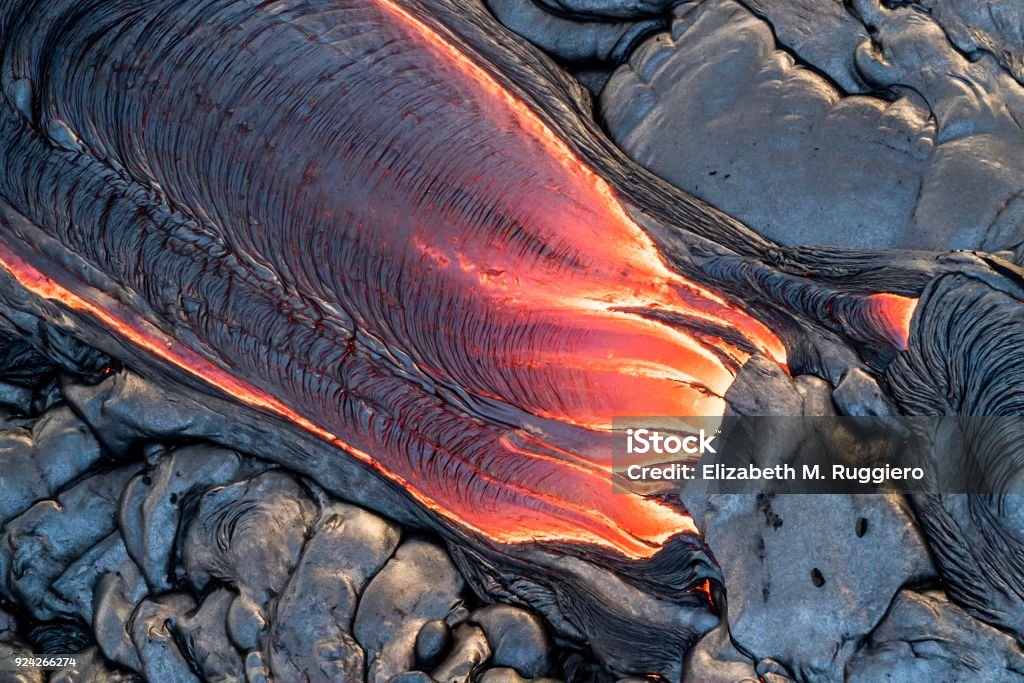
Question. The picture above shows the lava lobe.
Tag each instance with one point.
(340, 217)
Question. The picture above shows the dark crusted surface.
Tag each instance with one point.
(832, 136)
(211, 565)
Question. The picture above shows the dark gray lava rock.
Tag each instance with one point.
(10, 626)
(246, 624)
(10, 674)
(468, 655)
(203, 635)
(925, 637)
(21, 482)
(432, 643)
(116, 596)
(715, 108)
(92, 667)
(996, 26)
(816, 394)
(417, 585)
(151, 507)
(11, 646)
(125, 411)
(822, 32)
(151, 633)
(41, 544)
(573, 40)
(714, 659)
(250, 535)
(412, 677)
(624, 9)
(502, 675)
(808, 576)
(978, 128)
(859, 395)
(129, 413)
(77, 584)
(517, 638)
(256, 670)
(15, 398)
(311, 637)
(36, 462)
(64, 447)
(762, 387)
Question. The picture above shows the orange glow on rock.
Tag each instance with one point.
(705, 588)
(896, 313)
(582, 293)
(632, 525)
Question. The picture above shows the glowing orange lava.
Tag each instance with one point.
(896, 313)
(640, 528)
(602, 358)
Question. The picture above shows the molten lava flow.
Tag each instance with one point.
(895, 313)
(575, 290)
(651, 523)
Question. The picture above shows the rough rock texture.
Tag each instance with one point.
(518, 638)
(249, 535)
(977, 540)
(821, 34)
(714, 659)
(628, 9)
(925, 637)
(47, 543)
(208, 567)
(37, 461)
(311, 634)
(469, 651)
(117, 594)
(91, 667)
(152, 505)
(499, 675)
(995, 26)
(202, 633)
(432, 643)
(607, 41)
(717, 109)
(838, 558)
(394, 607)
(151, 633)
(12, 645)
